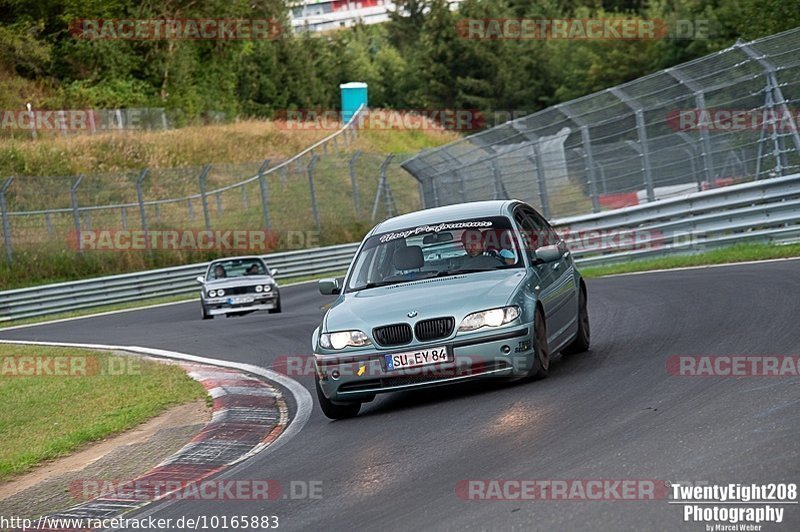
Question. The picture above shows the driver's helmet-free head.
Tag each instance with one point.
(472, 240)
(219, 271)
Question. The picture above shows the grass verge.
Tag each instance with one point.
(93, 395)
(736, 253)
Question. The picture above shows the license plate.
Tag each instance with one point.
(240, 299)
(415, 359)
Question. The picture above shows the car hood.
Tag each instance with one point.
(249, 280)
(448, 296)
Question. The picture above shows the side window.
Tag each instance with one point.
(534, 228)
(548, 235)
(530, 232)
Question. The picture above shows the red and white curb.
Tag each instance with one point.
(249, 416)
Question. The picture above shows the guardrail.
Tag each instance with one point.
(90, 293)
(767, 210)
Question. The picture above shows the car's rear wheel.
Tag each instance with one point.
(541, 351)
(335, 411)
(581, 342)
(206, 315)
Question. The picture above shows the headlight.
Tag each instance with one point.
(259, 288)
(267, 288)
(489, 318)
(212, 293)
(220, 292)
(340, 340)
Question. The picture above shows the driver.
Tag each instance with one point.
(219, 272)
(473, 242)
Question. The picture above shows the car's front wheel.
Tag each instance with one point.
(277, 308)
(206, 315)
(335, 411)
(581, 342)
(541, 351)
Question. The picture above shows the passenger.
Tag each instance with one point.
(509, 257)
(219, 272)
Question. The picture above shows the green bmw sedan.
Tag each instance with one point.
(445, 295)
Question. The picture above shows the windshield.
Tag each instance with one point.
(226, 269)
(438, 250)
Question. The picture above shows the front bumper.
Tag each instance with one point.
(356, 377)
(226, 305)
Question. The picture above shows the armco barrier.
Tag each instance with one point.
(89, 293)
(767, 210)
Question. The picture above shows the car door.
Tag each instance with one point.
(540, 280)
(562, 296)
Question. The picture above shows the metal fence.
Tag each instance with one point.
(726, 118)
(329, 183)
(762, 211)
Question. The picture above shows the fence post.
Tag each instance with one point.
(6, 224)
(461, 191)
(772, 79)
(76, 216)
(33, 121)
(700, 101)
(500, 191)
(140, 200)
(541, 182)
(48, 222)
(310, 172)
(381, 185)
(203, 199)
(587, 148)
(353, 183)
(218, 198)
(644, 152)
(587, 145)
(264, 188)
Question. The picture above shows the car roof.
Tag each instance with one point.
(243, 257)
(459, 211)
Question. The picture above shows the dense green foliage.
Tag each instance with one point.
(417, 60)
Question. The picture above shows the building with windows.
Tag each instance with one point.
(327, 15)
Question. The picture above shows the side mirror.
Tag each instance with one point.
(274, 271)
(329, 287)
(548, 253)
(200, 279)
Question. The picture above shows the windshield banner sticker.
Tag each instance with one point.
(388, 237)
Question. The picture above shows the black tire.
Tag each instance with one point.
(276, 310)
(335, 411)
(206, 315)
(582, 338)
(541, 351)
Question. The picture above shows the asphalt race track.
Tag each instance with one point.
(612, 413)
